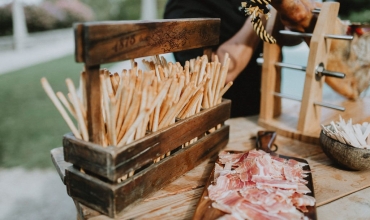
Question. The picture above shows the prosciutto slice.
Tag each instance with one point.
(256, 185)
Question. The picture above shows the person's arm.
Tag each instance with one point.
(240, 49)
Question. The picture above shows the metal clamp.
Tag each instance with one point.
(320, 72)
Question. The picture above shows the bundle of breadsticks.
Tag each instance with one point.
(356, 135)
(136, 102)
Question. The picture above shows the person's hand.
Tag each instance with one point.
(297, 14)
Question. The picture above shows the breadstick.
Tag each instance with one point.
(108, 81)
(192, 102)
(176, 109)
(117, 77)
(83, 110)
(177, 92)
(181, 84)
(122, 107)
(187, 72)
(170, 66)
(131, 115)
(202, 70)
(227, 87)
(142, 114)
(161, 72)
(118, 98)
(215, 58)
(157, 73)
(196, 71)
(105, 98)
(114, 83)
(75, 102)
(167, 104)
(143, 104)
(199, 105)
(153, 93)
(191, 65)
(194, 77)
(49, 91)
(222, 80)
(71, 101)
(148, 78)
(132, 63)
(66, 103)
(132, 84)
(131, 138)
(156, 118)
(216, 85)
(219, 86)
(224, 73)
(163, 61)
(168, 101)
(83, 89)
(112, 128)
(205, 101)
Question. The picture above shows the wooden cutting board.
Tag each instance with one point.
(205, 211)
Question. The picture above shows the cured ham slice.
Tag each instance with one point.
(256, 185)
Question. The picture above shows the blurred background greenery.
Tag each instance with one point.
(355, 10)
(56, 14)
(30, 126)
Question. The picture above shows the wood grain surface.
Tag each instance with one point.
(179, 199)
(113, 162)
(105, 42)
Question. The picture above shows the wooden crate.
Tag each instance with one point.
(98, 189)
(94, 179)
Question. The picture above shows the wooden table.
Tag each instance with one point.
(340, 194)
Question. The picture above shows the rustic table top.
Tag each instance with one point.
(340, 194)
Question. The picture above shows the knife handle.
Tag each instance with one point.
(265, 141)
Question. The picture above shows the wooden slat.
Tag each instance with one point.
(310, 115)
(113, 198)
(112, 162)
(270, 81)
(95, 124)
(60, 164)
(105, 42)
(79, 42)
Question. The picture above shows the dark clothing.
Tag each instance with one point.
(245, 92)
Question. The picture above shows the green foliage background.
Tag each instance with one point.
(355, 10)
(120, 9)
